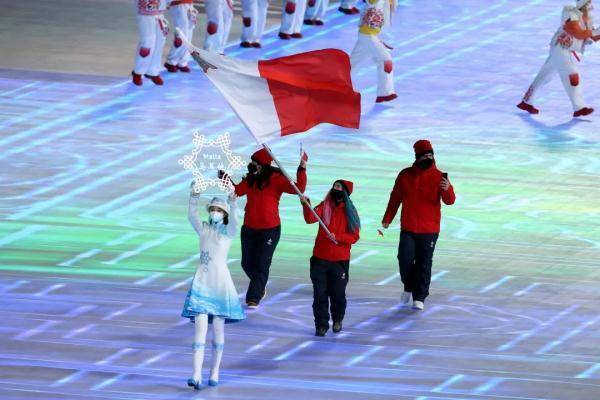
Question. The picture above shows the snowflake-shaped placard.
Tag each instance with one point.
(202, 160)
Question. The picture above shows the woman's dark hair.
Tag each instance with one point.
(262, 178)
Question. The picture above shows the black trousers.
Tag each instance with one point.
(329, 280)
(258, 246)
(415, 256)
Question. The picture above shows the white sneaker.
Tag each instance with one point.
(251, 305)
(406, 297)
(418, 305)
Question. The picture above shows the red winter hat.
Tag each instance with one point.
(422, 147)
(262, 157)
(348, 186)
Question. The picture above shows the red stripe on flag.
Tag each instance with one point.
(311, 88)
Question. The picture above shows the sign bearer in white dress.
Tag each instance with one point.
(212, 297)
(566, 49)
(376, 15)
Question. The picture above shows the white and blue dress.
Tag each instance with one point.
(212, 291)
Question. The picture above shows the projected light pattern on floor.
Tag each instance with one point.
(96, 253)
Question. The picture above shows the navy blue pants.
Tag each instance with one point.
(415, 256)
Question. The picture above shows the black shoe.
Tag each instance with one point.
(337, 327)
(321, 331)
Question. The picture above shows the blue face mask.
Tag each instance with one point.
(216, 217)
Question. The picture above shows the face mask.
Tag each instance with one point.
(252, 169)
(425, 163)
(337, 195)
(216, 216)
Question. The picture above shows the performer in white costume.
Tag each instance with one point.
(348, 7)
(254, 18)
(219, 14)
(376, 15)
(315, 12)
(566, 48)
(153, 29)
(212, 297)
(292, 17)
(184, 17)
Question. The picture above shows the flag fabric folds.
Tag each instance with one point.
(286, 95)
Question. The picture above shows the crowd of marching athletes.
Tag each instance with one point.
(154, 30)
(575, 33)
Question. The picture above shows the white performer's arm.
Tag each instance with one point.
(232, 226)
(193, 212)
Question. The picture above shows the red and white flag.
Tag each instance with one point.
(286, 95)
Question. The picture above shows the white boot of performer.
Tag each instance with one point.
(292, 17)
(254, 18)
(369, 46)
(199, 345)
(217, 345)
(348, 7)
(315, 12)
(200, 329)
(153, 29)
(566, 49)
(184, 17)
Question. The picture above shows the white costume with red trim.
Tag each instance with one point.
(219, 14)
(184, 17)
(317, 10)
(348, 4)
(153, 29)
(375, 15)
(565, 52)
(254, 18)
(292, 16)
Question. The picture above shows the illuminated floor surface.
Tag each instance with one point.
(96, 253)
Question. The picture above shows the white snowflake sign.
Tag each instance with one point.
(203, 159)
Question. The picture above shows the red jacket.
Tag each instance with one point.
(262, 206)
(419, 193)
(324, 247)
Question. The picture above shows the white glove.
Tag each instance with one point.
(193, 191)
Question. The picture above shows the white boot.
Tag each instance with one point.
(418, 305)
(405, 298)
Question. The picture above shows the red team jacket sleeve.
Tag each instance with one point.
(309, 217)
(448, 196)
(393, 203)
(284, 186)
(241, 188)
(348, 237)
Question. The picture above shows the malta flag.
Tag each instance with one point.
(286, 95)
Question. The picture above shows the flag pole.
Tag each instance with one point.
(302, 197)
(205, 65)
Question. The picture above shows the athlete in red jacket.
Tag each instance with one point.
(263, 187)
(420, 189)
(330, 263)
